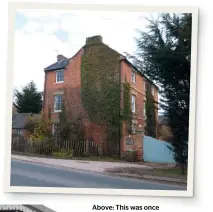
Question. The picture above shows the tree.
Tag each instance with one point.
(28, 100)
(151, 128)
(164, 132)
(163, 55)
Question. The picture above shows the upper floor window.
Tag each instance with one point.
(153, 90)
(59, 76)
(144, 85)
(144, 110)
(133, 103)
(133, 76)
(57, 103)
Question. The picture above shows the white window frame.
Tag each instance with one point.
(144, 110)
(54, 128)
(133, 103)
(134, 126)
(144, 85)
(133, 76)
(19, 132)
(153, 90)
(57, 73)
(59, 102)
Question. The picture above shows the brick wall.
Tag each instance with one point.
(72, 87)
(137, 89)
(138, 118)
(71, 90)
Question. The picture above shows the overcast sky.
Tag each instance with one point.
(40, 34)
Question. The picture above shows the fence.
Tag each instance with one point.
(156, 151)
(55, 147)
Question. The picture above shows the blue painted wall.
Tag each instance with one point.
(157, 151)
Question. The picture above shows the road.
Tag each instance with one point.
(25, 173)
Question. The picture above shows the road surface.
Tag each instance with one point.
(25, 173)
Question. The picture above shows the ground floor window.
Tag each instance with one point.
(18, 132)
(134, 126)
(57, 103)
(55, 129)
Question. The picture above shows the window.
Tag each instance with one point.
(144, 110)
(133, 76)
(60, 76)
(144, 85)
(55, 129)
(57, 103)
(133, 103)
(18, 132)
(153, 91)
(134, 126)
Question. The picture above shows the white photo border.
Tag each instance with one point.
(12, 7)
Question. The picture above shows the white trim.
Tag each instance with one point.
(57, 111)
(59, 82)
(133, 72)
(56, 72)
(12, 8)
(133, 101)
(153, 90)
(144, 85)
(53, 128)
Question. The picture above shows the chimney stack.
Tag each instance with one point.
(94, 40)
(60, 57)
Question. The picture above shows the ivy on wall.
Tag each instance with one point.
(100, 78)
(127, 113)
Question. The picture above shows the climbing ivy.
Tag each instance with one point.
(100, 78)
(127, 113)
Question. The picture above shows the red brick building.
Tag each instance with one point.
(66, 73)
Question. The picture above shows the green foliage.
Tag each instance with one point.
(28, 100)
(164, 55)
(32, 122)
(151, 126)
(41, 130)
(70, 129)
(63, 154)
(101, 90)
(127, 113)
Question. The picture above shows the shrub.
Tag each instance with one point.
(63, 154)
(41, 130)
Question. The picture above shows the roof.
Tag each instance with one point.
(63, 63)
(58, 65)
(140, 72)
(25, 208)
(19, 120)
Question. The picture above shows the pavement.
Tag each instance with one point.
(93, 166)
(36, 172)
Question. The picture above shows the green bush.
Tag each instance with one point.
(130, 156)
(63, 154)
